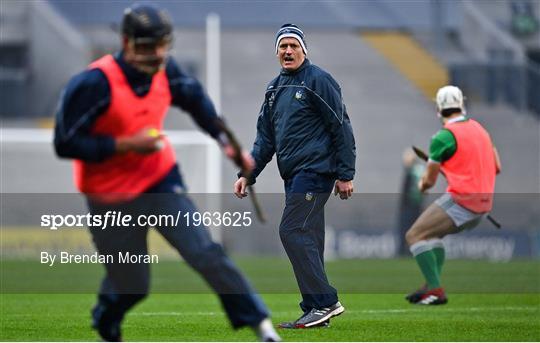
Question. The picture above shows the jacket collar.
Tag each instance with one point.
(303, 66)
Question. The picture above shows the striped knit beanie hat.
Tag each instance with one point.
(292, 31)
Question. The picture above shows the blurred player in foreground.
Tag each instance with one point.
(463, 151)
(109, 120)
(304, 122)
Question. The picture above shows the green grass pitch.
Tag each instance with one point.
(487, 302)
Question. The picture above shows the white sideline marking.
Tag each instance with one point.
(422, 309)
(176, 314)
(471, 309)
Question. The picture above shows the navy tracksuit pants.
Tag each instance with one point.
(126, 284)
(302, 234)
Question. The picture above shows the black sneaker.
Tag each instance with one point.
(292, 325)
(417, 295)
(319, 316)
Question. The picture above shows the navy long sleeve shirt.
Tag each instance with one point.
(88, 95)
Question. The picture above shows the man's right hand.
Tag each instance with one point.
(240, 187)
(143, 142)
(245, 162)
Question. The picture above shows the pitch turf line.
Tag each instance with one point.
(388, 311)
(285, 313)
(371, 317)
(273, 275)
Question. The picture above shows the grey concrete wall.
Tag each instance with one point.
(57, 51)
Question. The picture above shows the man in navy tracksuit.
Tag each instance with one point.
(304, 122)
(108, 121)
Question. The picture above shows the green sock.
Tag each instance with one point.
(439, 256)
(428, 265)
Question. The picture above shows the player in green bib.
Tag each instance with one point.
(463, 151)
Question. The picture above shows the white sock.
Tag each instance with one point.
(436, 243)
(420, 247)
(266, 332)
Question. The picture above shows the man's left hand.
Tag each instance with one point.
(344, 188)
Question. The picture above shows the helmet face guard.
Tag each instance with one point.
(148, 31)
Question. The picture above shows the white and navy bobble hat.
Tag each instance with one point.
(291, 30)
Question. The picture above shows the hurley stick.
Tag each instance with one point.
(245, 171)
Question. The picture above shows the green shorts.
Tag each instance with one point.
(463, 218)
